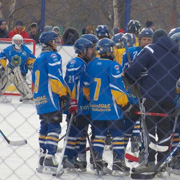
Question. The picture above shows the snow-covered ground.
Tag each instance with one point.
(19, 121)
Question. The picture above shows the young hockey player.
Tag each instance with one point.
(74, 78)
(105, 91)
(16, 59)
(134, 27)
(158, 90)
(50, 97)
(120, 49)
(174, 34)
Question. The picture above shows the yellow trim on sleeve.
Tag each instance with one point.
(86, 92)
(58, 88)
(120, 98)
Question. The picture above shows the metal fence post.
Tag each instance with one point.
(127, 13)
(43, 7)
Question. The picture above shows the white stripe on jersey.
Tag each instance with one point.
(73, 69)
(117, 76)
(54, 64)
(115, 87)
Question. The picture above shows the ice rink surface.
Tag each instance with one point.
(19, 121)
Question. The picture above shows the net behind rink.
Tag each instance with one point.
(30, 43)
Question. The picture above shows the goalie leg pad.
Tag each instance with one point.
(21, 84)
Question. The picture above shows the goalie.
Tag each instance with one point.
(15, 60)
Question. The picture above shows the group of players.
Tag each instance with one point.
(94, 90)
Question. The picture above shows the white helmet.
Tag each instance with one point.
(17, 40)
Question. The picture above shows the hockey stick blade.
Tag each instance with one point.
(18, 143)
(13, 143)
(158, 148)
(142, 176)
(131, 157)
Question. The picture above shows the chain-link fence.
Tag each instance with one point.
(19, 121)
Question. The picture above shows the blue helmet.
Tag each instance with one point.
(117, 39)
(105, 46)
(175, 34)
(91, 37)
(129, 39)
(46, 37)
(102, 31)
(81, 45)
(133, 26)
(145, 32)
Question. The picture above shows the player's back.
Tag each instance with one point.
(103, 106)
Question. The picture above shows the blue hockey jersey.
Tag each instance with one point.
(15, 57)
(133, 53)
(105, 89)
(48, 82)
(74, 78)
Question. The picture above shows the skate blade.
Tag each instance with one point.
(120, 173)
(40, 169)
(49, 170)
(76, 170)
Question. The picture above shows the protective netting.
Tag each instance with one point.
(19, 121)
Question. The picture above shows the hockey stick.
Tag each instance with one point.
(13, 143)
(151, 114)
(159, 167)
(60, 170)
(92, 153)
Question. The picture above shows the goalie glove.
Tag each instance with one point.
(129, 111)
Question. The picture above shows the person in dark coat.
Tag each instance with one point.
(156, 69)
(3, 29)
(69, 36)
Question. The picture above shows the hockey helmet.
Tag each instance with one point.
(82, 45)
(175, 34)
(145, 32)
(133, 26)
(91, 37)
(17, 40)
(117, 40)
(105, 46)
(129, 39)
(102, 31)
(46, 37)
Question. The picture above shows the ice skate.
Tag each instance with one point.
(174, 165)
(50, 164)
(145, 167)
(4, 99)
(26, 100)
(73, 165)
(40, 164)
(102, 166)
(120, 169)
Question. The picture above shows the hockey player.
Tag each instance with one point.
(134, 27)
(16, 59)
(158, 90)
(105, 91)
(102, 31)
(145, 38)
(50, 97)
(174, 34)
(120, 49)
(74, 78)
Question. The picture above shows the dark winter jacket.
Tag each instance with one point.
(3, 33)
(162, 62)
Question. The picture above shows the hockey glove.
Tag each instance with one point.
(129, 111)
(64, 102)
(73, 106)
